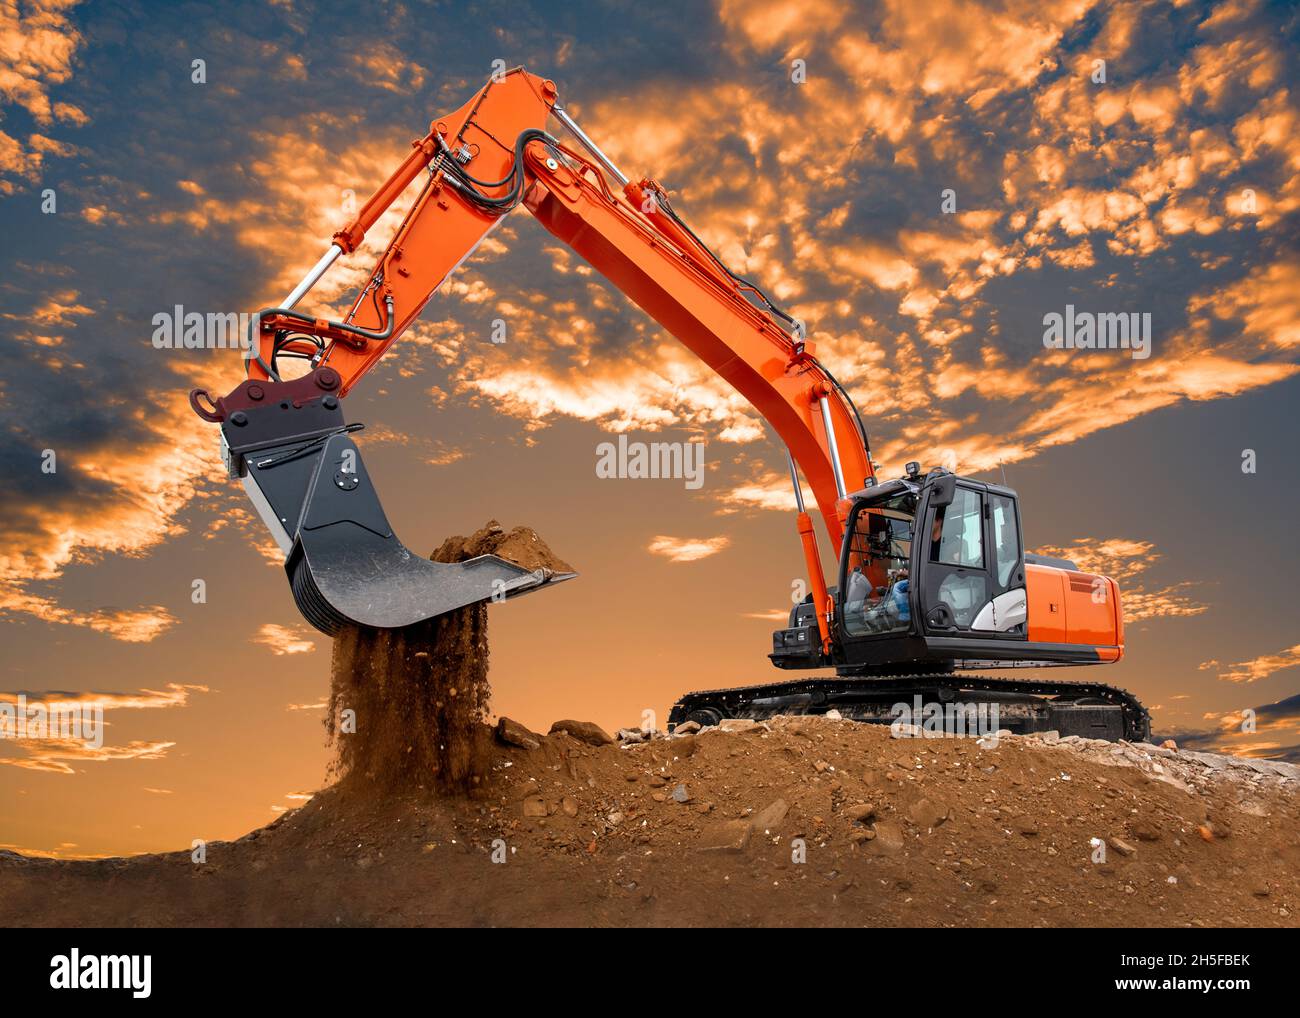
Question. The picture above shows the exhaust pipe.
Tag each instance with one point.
(288, 443)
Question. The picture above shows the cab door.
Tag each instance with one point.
(972, 564)
(1007, 612)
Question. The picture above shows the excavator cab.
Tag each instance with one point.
(944, 559)
(932, 569)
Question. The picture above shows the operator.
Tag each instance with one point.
(899, 595)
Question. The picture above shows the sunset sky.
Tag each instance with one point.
(1170, 188)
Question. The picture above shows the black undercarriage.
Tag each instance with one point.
(953, 703)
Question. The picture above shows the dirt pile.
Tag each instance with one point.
(407, 706)
(521, 546)
(800, 821)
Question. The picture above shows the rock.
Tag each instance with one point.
(1218, 826)
(1213, 761)
(583, 731)
(534, 806)
(686, 728)
(771, 816)
(631, 735)
(737, 725)
(1144, 830)
(570, 806)
(889, 837)
(614, 819)
(1169, 744)
(731, 836)
(1026, 826)
(833, 715)
(862, 835)
(861, 813)
(680, 794)
(512, 733)
(1122, 847)
(927, 815)
(899, 730)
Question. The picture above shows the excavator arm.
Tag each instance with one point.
(287, 439)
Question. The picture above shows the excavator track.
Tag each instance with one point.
(1086, 709)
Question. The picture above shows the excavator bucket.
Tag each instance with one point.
(305, 476)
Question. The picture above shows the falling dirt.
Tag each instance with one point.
(407, 706)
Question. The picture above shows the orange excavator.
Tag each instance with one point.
(934, 594)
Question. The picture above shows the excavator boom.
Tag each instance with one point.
(485, 159)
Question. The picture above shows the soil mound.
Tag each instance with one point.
(798, 822)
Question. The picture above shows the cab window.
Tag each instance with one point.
(958, 532)
(876, 579)
(1006, 538)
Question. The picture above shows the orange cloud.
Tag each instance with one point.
(1260, 667)
(686, 549)
(175, 694)
(282, 640)
(57, 753)
(37, 47)
(58, 756)
(776, 615)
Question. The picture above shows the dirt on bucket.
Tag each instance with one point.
(407, 706)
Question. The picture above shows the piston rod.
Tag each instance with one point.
(833, 447)
(590, 145)
(312, 277)
(794, 479)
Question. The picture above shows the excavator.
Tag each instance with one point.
(935, 603)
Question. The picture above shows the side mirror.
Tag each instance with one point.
(942, 490)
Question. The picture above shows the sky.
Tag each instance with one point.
(921, 183)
